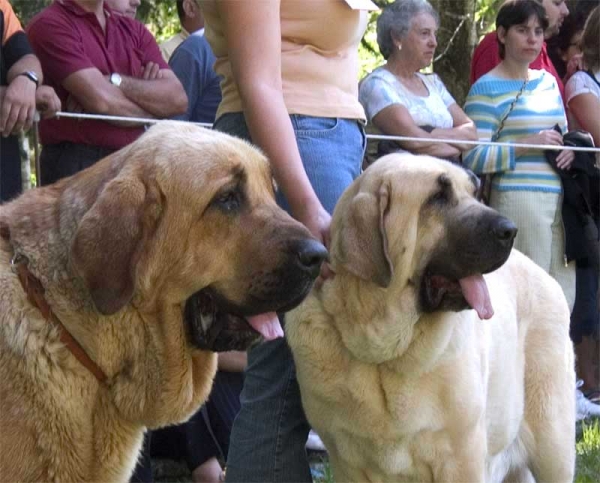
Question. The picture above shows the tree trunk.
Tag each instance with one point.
(456, 38)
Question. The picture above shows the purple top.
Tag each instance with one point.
(68, 39)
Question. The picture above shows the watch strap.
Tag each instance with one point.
(31, 76)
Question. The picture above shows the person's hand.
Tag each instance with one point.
(318, 222)
(47, 102)
(565, 159)
(18, 106)
(548, 137)
(151, 71)
(73, 105)
(232, 361)
(575, 63)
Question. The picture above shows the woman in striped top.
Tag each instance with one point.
(515, 104)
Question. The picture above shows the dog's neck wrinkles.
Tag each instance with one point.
(380, 328)
(368, 322)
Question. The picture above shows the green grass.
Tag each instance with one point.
(588, 453)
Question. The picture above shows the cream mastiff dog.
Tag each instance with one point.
(157, 255)
(436, 353)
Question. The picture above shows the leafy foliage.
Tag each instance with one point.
(368, 51)
(26, 9)
(485, 16)
(160, 16)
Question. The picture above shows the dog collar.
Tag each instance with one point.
(34, 290)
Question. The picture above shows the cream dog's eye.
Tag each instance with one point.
(439, 197)
(444, 192)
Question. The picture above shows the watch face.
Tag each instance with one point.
(32, 76)
(115, 79)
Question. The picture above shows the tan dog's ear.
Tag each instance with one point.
(109, 240)
(362, 242)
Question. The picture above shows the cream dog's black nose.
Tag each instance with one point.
(504, 230)
(311, 254)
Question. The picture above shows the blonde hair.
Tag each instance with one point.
(589, 41)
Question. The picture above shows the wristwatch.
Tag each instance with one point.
(115, 79)
(32, 76)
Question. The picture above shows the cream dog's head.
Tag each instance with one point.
(411, 225)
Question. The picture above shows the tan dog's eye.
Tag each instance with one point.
(229, 201)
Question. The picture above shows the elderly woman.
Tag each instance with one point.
(398, 99)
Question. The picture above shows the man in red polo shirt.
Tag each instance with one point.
(487, 56)
(99, 62)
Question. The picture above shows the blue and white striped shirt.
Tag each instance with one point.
(540, 107)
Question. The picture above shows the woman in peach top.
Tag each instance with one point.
(290, 85)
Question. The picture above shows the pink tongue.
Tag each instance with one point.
(267, 325)
(476, 293)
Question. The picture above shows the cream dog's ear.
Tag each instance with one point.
(110, 239)
(361, 242)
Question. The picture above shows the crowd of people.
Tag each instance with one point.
(285, 77)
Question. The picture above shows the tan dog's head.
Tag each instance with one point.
(413, 223)
(186, 216)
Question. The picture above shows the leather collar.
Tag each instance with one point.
(35, 294)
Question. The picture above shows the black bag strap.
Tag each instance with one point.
(496, 135)
(591, 74)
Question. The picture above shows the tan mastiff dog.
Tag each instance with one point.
(132, 271)
(412, 365)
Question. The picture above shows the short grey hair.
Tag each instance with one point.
(396, 19)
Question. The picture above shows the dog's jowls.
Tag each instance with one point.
(435, 353)
(169, 247)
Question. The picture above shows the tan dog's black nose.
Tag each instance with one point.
(504, 230)
(311, 254)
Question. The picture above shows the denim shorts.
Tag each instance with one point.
(331, 150)
(269, 434)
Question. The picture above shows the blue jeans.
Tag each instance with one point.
(269, 434)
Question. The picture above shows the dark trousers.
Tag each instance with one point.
(205, 435)
(10, 168)
(61, 160)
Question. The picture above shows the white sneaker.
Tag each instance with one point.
(314, 442)
(585, 407)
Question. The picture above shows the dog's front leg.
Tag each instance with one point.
(466, 460)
